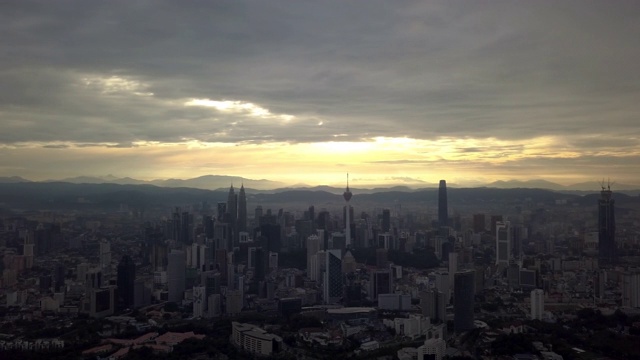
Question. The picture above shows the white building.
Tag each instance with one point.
(254, 339)
(537, 304)
(437, 347)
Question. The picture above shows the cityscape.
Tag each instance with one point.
(513, 273)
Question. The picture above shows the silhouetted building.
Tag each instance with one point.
(242, 210)
(333, 277)
(386, 220)
(176, 275)
(503, 243)
(126, 282)
(463, 300)
(606, 228)
(443, 211)
(478, 223)
(232, 211)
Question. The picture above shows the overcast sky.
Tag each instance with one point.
(398, 92)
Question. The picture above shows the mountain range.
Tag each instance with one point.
(215, 182)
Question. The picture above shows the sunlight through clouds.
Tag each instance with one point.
(239, 107)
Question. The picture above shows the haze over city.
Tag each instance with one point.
(303, 92)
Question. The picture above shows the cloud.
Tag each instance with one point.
(499, 78)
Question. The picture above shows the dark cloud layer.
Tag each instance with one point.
(120, 72)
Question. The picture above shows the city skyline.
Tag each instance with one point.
(306, 92)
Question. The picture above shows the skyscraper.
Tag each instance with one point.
(232, 211)
(463, 300)
(537, 304)
(503, 243)
(176, 273)
(333, 277)
(347, 196)
(606, 228)
(443, 211)
(386, 220)
(242, 210)
(126, 282)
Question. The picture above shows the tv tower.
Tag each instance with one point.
(347, 196)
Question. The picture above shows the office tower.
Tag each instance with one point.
(186, 228)
(199, 301)
(453, 262)
(494, 220)
(262, 263)
(443, 211)
(537, 304)
(208, 222)
(443, 284)
(232, 212)
(126, 282)
(606, 228)
(503, 243)
(273, 260)
(478, 223)
(433, 305)
(234, 302)
(463, 300)
(386, 220)
(631, 289)
(222, 210)
(347, 196)
(270, 236)
(213, 305)
(348, 263)
(105, 256)
(333, 277)
(176, 274)
(313, 246)
(381, 258)
(382, 283)
(242, 210)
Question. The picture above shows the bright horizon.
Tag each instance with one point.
(306, 92)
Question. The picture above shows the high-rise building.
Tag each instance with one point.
(443, 284)
(631, 289)
(463, 300)
(382, 283)
(313, 246)
(232, 211)
(433, 305)
(242, 210)
(176, 275)
(126, 282)
(503, 243)
(347, 196)
(386, 220)
(199, 301)
(333, 277)
(478, 223)
(443, 211)
(105, 256)
(537, 304)
(606, 228)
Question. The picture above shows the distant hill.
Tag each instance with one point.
(222, 182)
(12, 179)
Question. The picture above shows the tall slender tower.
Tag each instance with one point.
(347, 196)
(232, 210)
(606, 227)
(443, 211)
(242, 210)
